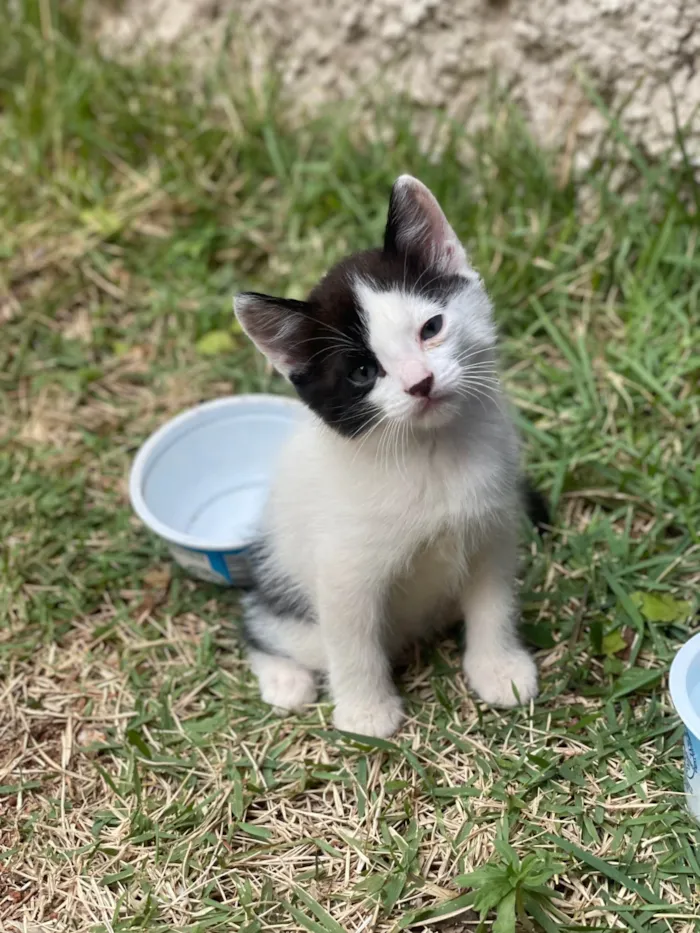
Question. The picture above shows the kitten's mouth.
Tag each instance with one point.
(433, 403)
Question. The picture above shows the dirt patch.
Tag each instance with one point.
(636, 55)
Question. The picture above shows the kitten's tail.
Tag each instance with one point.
(536, 506)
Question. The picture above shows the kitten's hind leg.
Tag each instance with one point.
(284, 683)
(284, 652)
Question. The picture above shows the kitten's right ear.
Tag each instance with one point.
(416, 224)
(277, 327)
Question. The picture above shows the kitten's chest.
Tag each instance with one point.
(426, 591)
(433, 498)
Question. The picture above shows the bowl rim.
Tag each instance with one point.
(153, 442)
(678, 681)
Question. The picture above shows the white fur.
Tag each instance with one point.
(394, 320)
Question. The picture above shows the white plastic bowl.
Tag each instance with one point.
(200, 482)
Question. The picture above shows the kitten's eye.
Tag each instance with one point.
(364, 375)
(432, 327)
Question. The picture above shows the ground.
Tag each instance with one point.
(143, 784)
(638, 56)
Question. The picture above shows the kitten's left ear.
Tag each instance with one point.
(416, 224)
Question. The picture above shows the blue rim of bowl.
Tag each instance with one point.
(677, 683)
(138, 503)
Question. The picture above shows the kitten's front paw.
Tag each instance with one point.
(505, 679)
(379, 719)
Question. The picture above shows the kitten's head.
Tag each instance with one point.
(398, 334)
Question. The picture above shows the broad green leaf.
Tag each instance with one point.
(485, 875)
(489, 896)
(661, 607)
(215, 343)
(613, 665)
(540, 870)
(505, 916)
(510, 856)
(613, 643)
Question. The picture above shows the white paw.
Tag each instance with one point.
(505, 679)
(379, 719)
(283, 683)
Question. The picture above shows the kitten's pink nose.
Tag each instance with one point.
(422, 388)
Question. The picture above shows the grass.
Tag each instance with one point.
(143, 785)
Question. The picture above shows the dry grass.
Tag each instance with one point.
(207, 805)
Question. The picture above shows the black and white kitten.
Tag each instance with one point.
(395, 508)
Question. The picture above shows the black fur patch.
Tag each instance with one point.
(251, 639)
(274, 591)
(536, 506)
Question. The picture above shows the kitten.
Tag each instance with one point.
(395, 507)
